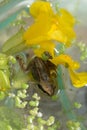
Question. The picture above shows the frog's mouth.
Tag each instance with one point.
(47, 88)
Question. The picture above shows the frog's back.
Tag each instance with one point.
(39, 69)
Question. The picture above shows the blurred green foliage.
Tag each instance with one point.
(10, 118)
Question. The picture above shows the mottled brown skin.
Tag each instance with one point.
(41, 71)
(44, 72)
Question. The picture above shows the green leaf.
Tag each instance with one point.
(4, 81)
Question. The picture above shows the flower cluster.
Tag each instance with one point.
(35, 119)
(73, 125)
(50, 26)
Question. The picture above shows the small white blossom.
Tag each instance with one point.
(39, 114)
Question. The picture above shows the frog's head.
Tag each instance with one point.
(47, 87)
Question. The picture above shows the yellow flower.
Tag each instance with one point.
(78, 79)
(49, 25)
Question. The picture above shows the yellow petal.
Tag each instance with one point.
(78, 79)
(64, 23)
(37, 32)
(67, 18)
(40, 7)
(65, 60)
(55, 33)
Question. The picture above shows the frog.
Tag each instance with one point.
(43, 71)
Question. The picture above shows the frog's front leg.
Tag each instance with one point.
(23, 63)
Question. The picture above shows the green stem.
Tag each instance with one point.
(65, 101)
(14, 44)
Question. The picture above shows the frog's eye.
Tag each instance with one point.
(53, 73)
